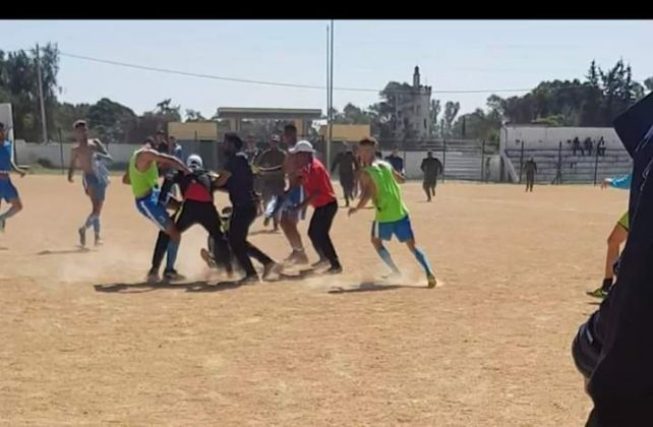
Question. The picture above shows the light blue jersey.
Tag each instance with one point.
(6, 155)
(622, 182)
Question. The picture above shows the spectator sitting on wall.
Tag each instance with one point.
(600, 147)
(589, 146)
(396, 161)
(575, 146)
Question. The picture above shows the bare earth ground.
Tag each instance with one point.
(489, 348)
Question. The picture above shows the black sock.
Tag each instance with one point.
(607, 283)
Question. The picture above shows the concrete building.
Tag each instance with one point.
(413, 119)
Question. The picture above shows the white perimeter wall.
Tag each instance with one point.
(542, 137)
(30, 153)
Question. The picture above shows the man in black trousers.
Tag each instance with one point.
(238, 179)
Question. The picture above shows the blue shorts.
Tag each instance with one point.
(402, 229)
(94, 187)
(153, 210)
(7, 190)
(293, 198)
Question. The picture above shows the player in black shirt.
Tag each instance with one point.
(347, 169)
(238, 179)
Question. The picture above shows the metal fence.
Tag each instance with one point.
(563, 166)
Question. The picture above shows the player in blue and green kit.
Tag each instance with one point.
(143, 176)
(379, 183)
(8, 192)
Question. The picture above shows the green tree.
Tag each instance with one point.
(19, 86)
(194, 116)
(451, 110)
(648, 83)
(113, 122)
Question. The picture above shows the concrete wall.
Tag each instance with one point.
(544, 137)
(30, 153)
(8, 120)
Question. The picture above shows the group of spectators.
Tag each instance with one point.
(587, 147)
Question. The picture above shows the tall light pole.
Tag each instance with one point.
(329, 93)
(44, 124)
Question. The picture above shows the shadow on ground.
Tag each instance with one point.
(371, 287)
(64, 251)
(141, 287)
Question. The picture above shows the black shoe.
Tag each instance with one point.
(334, 269)
(153, 276)
(250, 279)
(172, 275)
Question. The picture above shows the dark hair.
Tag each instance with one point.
(368, 141)
(160, 132)
(2, 126)
(290, 128)
(79, 123)
(149, 140)
(234, 139)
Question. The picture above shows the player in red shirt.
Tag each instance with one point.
(319, 193)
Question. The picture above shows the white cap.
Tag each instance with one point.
(194, 162)
(302, 146)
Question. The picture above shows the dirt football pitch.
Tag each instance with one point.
(83, 341)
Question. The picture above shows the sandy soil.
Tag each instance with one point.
(488, 348)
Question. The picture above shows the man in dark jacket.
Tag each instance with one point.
(621, 384)
(347, 169)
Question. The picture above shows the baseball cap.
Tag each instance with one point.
(302, 146)
(194, 162)
(276, 138)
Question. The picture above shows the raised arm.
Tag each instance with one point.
(101, 148)
(165, 160)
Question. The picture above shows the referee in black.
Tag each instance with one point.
(197, 208)
(238, 179)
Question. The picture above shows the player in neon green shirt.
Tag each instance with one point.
(379, 183)
(143, 176)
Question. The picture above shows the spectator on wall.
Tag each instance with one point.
(600, 147)
(575, 146)
(588, 145)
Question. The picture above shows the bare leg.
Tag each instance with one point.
(289, 227)
(616, 238)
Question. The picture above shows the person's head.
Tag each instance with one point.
(429, 154)
(367, 150)
(160, 136)
(172, 140)
(274, 141)
(304, 151)
(2, 132)
(232, 143)
(80, 130)
(290, 134)
(149, 142)
(194, 162)
(395, 151)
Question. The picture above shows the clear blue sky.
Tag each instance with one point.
(452, 55)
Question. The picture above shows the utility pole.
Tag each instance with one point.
(330, 91)
(44, 124)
